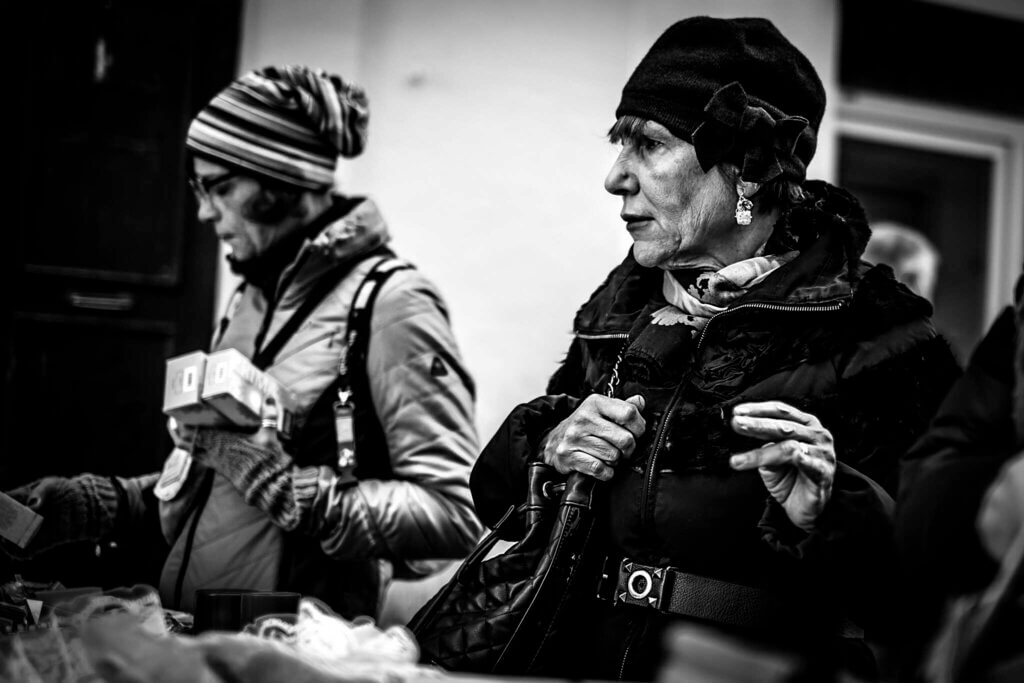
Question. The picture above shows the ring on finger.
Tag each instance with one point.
(268, 423)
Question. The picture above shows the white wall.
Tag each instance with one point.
(487, 150)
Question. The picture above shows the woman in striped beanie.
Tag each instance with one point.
(262, 511)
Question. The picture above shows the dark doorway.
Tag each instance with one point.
(944, 196)
(111, 272)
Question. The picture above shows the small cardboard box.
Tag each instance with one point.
(183, 387)
(18, 524)
(237, 389)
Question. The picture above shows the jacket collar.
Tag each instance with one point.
(351, 228)
(830, 231)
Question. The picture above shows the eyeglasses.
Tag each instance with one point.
(202, 187)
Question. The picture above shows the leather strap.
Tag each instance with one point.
(668, 589)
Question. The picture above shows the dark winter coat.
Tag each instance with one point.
(978, 428)
(825, 333)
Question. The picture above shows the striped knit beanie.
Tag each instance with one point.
(285, 123)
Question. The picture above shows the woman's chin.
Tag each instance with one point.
(648, 257)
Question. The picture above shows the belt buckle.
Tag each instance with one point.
(640, 585)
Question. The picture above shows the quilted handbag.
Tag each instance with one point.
(510, 614)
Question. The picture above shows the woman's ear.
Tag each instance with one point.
(749, 188)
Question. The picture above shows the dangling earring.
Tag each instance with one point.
(744, 205)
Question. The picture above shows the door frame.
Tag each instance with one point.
(1000, 140)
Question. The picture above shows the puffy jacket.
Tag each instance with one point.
(289, 523)
(825, 333)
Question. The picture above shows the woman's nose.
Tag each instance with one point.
(206, 213)
(620, 179)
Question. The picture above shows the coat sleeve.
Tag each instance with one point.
(889, 389)
(424, 399)
(851, 546)
(499, 477)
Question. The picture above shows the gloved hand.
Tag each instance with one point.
(256, 464)
(81, 508)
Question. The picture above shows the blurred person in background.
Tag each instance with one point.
(742, 382)
(251, 511)
(960, 512)
(911, 255)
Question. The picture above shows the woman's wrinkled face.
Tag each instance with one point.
(678, 215)
(222, 205)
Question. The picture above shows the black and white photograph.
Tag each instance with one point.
(481, 341)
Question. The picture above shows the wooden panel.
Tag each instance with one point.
(111, 84)
(85, 397)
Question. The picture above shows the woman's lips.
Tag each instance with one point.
(635, 221)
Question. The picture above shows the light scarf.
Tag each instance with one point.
(661, 344)
(713, 291)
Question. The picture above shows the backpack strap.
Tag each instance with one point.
(354, 404)
(357, 334)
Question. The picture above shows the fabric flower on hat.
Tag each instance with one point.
(768, 142)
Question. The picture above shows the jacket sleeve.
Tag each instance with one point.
(424, 399)
(889, 388)
(851, 546)
(499, 477)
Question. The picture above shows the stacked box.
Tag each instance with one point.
(237, 389)
(183, 388)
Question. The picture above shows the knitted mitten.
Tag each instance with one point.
(82, 508)
(258, 468)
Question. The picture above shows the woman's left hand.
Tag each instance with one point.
(798, 462)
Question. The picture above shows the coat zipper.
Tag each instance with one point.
(645, 512)
(630, 637)
(597, 337)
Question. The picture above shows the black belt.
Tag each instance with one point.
(670, 590)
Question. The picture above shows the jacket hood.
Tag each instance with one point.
(830, 230)
(356, 226)
(352, 229)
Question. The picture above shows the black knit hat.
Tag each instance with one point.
(735, 88)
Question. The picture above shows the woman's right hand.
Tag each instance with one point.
(80, 508)
(40, 494)
(600, 432)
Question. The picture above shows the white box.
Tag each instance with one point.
(237, 389)
(183, 387)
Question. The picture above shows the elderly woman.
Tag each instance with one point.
(742, 381)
